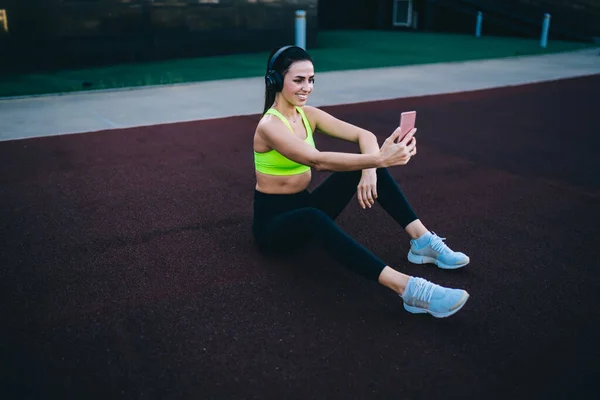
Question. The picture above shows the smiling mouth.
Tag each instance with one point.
(302, 96)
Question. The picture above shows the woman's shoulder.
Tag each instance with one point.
(267, 122)
(309, 109)
(314, 114)
(311, 112)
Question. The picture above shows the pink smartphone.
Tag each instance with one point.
(407, 123)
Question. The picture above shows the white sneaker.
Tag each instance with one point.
(436, 252)
(422, 296)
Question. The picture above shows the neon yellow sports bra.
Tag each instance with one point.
(272, 162)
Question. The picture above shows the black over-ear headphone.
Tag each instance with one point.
(273, 79)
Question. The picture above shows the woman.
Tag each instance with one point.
(286, 214)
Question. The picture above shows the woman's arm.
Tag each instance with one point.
(337, 128)
(290, 146)
(296, 149)
(368, 144)
(334, 127)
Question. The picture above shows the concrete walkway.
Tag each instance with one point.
(100, 110)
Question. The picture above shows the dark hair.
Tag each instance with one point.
(282, 65)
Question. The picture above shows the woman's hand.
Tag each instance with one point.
(367, 188)
(398, 153)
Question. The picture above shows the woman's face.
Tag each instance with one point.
(298, 82)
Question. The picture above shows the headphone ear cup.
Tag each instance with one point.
(269, 80)
(278, 81)
(273, 81)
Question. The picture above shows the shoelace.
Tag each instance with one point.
(424, 290)
(437, 243)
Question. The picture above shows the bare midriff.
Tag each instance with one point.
(274, 184)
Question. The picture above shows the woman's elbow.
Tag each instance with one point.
(368, 136)
(320, 168)
(316, 161)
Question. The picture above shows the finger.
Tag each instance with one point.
(369, 197)
(374, 190)
(396, 134)
(359, 193)
(411, 146)
(408, 136)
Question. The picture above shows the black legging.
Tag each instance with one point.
(283, 222)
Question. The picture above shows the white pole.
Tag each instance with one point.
(545, 29)
(3, 20)
(301, 29)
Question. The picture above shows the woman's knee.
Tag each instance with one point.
(385, 178)
(349, 177)
(383, 172)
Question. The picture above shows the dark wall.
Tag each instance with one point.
(74, 33)
(349, 14)
(571, 19)
(580, 16)
(360, 14)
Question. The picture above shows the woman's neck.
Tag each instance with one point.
(286, 109)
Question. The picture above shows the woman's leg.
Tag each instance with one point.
(289, 231)
(419, 295)
(395, 203)
(337, 190)
(426, 247)
(334, 194)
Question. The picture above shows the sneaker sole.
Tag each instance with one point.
(457, 307)
(415, 259)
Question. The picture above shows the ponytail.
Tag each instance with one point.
(269, 99)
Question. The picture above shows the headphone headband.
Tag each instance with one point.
(277, 54)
